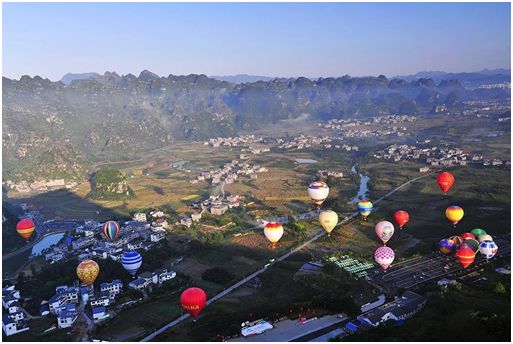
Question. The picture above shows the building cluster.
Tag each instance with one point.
(230, 173)
(13, 320)
(238, 141)
(480, 107)
(504, 85)
(41, 185)
(216, 205)
(326, 173)
(147, 279)
(435, 156)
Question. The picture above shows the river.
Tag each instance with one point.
(364, 189)
(46, 242)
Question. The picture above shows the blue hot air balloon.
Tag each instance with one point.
(131, 261)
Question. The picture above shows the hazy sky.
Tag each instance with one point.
(264, 39)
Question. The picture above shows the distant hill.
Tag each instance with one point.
(240, 78)
(68, 78)
(467, 79)
(117, 117)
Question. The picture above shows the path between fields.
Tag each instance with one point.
(283, 257)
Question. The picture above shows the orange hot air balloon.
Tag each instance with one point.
(465, 256)
(87, 271)
(193, 300)
(25, 228)
(401, 217)
(454, 214)
(445, 181)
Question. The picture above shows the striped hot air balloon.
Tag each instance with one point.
(472, 244)
(465, 255)
(273, 231)
(131, 261)
(111, 230)
(365, 208)
(457, 240)
(318, 192)
(25, 228)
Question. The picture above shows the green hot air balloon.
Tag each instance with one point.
(478, 232)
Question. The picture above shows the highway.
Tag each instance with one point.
(283, 257)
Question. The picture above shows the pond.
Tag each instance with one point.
(306, 161)
(46, 243)
(362, 192)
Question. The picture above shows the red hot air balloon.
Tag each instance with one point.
(465, 256)
(468, 236)
(25, 228)
(445, 181)
(401, 217)
(193, 301)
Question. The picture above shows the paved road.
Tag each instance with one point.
(285, 256)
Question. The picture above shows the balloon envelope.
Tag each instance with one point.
(454, 214)
(131, 261)
(465, 236)
(485, 237)
(365, 208)
(318, 192)
(193, 300)
(445, 181)
(25, 228)
(446, 246)
(473, 244)
(465, 256)
(457, 240)
(273, 231)
(111, 230)
(488, 249)
(328, 220)
(384, 231)
(477, 232)
(384, 256)
(87, 271)
(401, 217)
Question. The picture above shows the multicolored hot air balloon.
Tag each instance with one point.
(131, 261)
(318, 192)
(384, 231)
(25, 228)
(365, 208)
(465, 236)
(446, 246)
(111, 230)
(457, 240)
(465, 256)
(87, 271)
(328, 220)
(454, 214)
(478, 232)
(488, 249)
(486, 237)
(273, 231)
(473, 244)
(401, 217)
(384, 256)
(445, 181)
(193, 300)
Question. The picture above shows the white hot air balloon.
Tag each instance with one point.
(328, 220)
(273, 231)
(318, 192)
(488, 249)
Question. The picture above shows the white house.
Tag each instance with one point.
(100, 313)
(165, 275)
(11, 327)
(140, 217)
(139, 283)
(150, 277)
(67, 316)
(156, 237)
(113, 288)
(103, 299)
(17, 316)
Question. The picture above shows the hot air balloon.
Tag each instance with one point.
(457, 240)
(473, 244)
(384, 256)
(446, 246)
(87, 271)
(485, 237)
(401, 217)
(111, 230)
(318, 192)
(328, 220)
(467, 236)
(365, 207)
(25, 228)
(445, 181)
(131, 261)
(193, 300)
(478, 232)
(454, 214)
(465, 256)
(273, 231)
(488, 249)
(384, 231)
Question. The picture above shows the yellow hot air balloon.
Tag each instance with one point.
(87, 271)
(273, 231)
(454, 214)
(328, 220)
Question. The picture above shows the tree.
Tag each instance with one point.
(500, 289)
